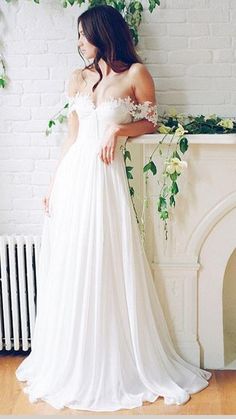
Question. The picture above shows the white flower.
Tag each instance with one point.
(212, 116)
(226, 123)
(175, 165)
(180, 131)
(172, 113)
(164, 129)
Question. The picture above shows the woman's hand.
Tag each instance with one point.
(108, 146)
(46, 198)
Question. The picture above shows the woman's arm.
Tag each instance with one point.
(145, 111)
(73, 126)
(144, 91)
(133, 129)
(73, 121)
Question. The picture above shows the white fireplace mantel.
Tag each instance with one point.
(189, 268)
(214, 139)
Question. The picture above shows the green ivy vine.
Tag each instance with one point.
(167, 178)
(176, 126)
(173, 126)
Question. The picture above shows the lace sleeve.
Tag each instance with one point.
(144, 110)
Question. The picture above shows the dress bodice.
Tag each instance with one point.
(94, 119)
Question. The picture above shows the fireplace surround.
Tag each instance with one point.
(195, 269)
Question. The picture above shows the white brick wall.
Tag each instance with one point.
(188, 45)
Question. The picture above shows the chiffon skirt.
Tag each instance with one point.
(100, 340)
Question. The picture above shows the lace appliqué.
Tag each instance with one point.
(144, 110)
(137, 110)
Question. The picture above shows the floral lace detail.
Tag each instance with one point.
(144, 110)
(138, 111)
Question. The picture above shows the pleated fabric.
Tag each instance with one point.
(100, 342)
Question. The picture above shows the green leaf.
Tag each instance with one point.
(127, 155)
(2, 83)
(51, 123)
(172, 201)
(162, 205)
(183, 144)
(174, 188)
(147, 167)
(138, 6)
(120, 6)
(153, 168)
(131, 189)
(61, 118)
(129, 167)
(150, 166)
(164, 215)
(153, 4)
(173, 176)
(128, 173)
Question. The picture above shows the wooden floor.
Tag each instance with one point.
(218, 398)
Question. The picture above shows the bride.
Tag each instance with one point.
(100, 340)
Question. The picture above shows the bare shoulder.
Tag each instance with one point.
(138, 70)
(75, 81)
(142, 82)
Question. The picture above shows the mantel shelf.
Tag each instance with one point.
(214, 139)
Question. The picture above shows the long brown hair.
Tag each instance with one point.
(106, 29)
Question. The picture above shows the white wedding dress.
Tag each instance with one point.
(100, 342)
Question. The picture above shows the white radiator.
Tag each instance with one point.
(18, 291)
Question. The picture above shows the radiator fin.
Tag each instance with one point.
(18, 290)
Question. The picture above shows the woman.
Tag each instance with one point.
(100, 339)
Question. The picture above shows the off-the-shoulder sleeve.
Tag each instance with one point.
(145, 110)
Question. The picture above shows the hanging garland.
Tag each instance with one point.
(173, 125)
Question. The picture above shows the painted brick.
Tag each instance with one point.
(188, 46)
